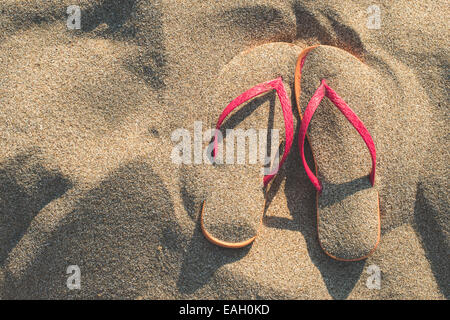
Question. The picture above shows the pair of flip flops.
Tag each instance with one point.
(348, 219)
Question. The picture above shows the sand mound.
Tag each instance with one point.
(87, 178)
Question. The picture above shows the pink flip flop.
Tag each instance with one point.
(348, 218)
(243, 225)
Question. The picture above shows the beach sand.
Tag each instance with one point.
(87, 178)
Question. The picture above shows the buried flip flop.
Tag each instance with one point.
(237, 227)
(348, 218)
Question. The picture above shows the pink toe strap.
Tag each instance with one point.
(325, 90)
(276, 84)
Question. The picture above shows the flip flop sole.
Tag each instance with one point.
(230, 217)
(357, 242)
(224, 243)
(348, 218)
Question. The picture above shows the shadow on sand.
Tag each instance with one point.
(431, 220)
(26, 186)
(339, 277)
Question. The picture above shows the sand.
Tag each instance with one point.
(85, 144)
